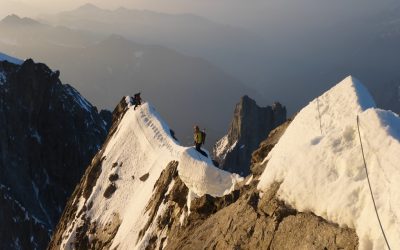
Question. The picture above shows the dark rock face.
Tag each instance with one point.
(48, 135)
(15, 218)
(251, 124)
(265, 147)
(251, 222)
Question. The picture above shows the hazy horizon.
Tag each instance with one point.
(251, 15)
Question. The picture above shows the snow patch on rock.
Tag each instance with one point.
(222, 148)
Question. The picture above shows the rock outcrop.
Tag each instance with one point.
(48, 135)
(251, 124)
(252, 222)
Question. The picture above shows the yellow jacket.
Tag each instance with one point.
(198, 137)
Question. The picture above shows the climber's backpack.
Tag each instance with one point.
(203, 137)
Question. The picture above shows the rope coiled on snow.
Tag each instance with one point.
(369, 183)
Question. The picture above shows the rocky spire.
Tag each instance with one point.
(251, 124)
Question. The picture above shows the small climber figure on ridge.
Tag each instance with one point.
(199, 139)
(137, 100)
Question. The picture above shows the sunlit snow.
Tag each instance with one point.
(325, 173)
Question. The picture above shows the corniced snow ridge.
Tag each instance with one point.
(325, 174)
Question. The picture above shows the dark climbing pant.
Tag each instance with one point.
(198, 148)
(137, 104)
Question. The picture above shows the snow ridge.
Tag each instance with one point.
(325, 173)
(138, 152)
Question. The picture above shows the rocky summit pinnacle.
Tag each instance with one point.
(251, 124)
(48, 135)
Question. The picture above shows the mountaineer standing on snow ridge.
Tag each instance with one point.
(137, 100)
(199, 138)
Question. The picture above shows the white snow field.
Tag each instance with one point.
(325, 173)
(143, 145)
(4, 57)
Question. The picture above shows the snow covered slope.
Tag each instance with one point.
(321, 169)
(132, 161)
(4, 57)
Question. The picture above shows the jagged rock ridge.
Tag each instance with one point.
(48, 135)
(251, 124)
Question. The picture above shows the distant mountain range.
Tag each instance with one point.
(188, 90)
(304, 61)
(237, 51)
(15, 20)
